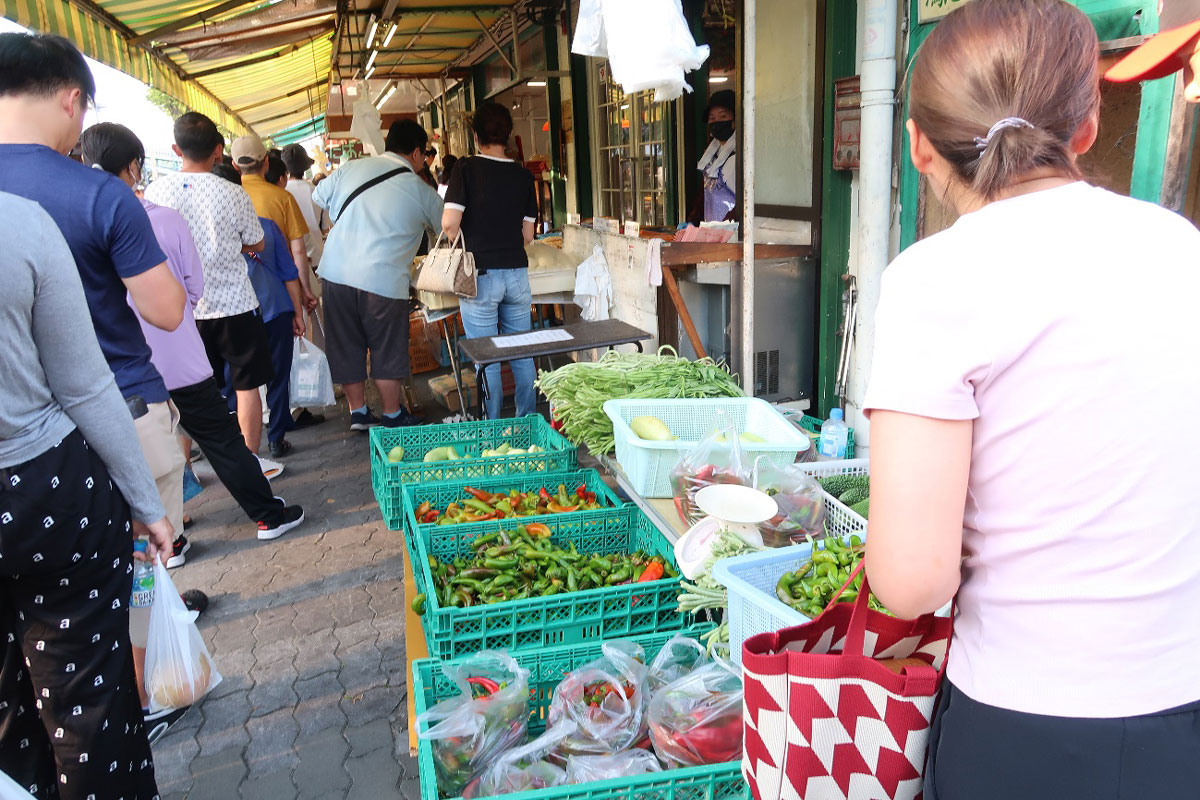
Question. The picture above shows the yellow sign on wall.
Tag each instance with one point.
(932, 10)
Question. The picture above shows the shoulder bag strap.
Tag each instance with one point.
(374, 181)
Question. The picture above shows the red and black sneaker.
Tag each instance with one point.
(280, 523)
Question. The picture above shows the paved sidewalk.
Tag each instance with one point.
(308, 633)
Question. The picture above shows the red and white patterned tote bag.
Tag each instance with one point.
(826, 719)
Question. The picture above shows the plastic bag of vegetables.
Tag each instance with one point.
(524, 768)
(717, 458)
(606, 699)
(489, 716)
(698, 718)
(627, 763)
(801, 503)
(679, 656)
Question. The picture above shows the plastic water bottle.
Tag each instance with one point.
(834, 436)
(142, 597)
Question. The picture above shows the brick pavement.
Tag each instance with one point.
(308, 634)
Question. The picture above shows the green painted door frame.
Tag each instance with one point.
(841, 22)
(1113, 19)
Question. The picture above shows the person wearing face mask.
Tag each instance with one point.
(718, 165)
(1174, 49)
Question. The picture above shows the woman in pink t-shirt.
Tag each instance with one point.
(1004, 475)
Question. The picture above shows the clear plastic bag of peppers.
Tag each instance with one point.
(679, 656)
(522, 769)
(490, 716)
(606, 700)
(717, 459)
(698, 719)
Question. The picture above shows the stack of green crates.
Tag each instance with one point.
(547, 668)
(470, 439)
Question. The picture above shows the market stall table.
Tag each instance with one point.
(487, 350)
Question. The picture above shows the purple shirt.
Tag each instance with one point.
(178, 355)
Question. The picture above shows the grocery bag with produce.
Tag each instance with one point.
(697, 719)
(888, 670)
(490, 715)
(801, 504)
(523, 768)
(679, 656)
(605, 701)
(179, 670)
(626, 764)
(717, 459)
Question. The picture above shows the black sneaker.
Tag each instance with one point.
(284, 521)
(306, 419)
(158, 722)
(363, 420)
(178, 557)
(195, 600)
(402, 420)
(280, 449)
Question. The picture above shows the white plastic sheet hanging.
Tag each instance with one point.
(367, 124)
(647, 43)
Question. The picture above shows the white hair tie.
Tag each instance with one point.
(982, 142)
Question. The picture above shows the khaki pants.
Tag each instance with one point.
(157, 434)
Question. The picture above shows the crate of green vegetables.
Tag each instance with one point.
(459, 452)
(518, 584)
(547, 668)
(848, 484)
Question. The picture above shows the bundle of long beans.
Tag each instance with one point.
(578, 391)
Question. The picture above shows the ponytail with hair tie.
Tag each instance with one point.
(982, 142)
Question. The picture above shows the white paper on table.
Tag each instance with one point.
(534, 337)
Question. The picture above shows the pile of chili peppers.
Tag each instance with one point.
(480, 506)
(810, 589)
(524, 563)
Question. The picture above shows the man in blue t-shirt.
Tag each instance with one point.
(45, 87)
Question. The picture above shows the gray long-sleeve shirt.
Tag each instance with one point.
(53, 377)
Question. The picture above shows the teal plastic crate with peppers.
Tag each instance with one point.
(486, 449)
(517, 584)
(547, 668)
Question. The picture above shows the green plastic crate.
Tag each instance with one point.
(814, 424)
(561, 619)
(440, 495)
(547, 668)
(471, 439)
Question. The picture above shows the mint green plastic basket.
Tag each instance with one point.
(547, 668)
(560, 619)
(470, 439)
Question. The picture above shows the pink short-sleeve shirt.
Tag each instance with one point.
(1066, 324)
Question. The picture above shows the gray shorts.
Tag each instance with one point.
(357, 322)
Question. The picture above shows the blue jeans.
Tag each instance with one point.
(502, 306)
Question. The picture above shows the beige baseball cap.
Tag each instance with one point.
(247, 150)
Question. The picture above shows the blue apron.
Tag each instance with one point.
(719, 198)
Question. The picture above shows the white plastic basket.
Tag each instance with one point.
(648, 464)
(751, 579)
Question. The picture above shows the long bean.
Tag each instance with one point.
(579, 391)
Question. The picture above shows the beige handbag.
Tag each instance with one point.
(449, 269)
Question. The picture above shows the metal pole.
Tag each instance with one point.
(445, 125)
(516, 45)
(749, 32)
(495, 43)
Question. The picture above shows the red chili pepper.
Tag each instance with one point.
(430, 516)
(652, 572)
(487, 684)
(582, 491)
(479, 495)
(542, 493)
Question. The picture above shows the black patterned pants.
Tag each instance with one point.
(70, 720)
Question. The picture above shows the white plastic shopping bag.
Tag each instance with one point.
(311, 383)
(179, 670)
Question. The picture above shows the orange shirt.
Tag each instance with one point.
(277, 205)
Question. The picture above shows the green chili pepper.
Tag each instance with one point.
(620, 575)
(572, 581)
(418, 604)
(503, 580)
(501, 563)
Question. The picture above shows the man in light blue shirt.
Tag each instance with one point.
(381, 209)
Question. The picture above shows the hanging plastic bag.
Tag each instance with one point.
(606, 699)
(523, 768)
(698, 719)
(311, 382)
(490, 715)
(717, 458)
(679, 656)
(179, 669)
(800, 500)
(589, 39)
(650, 46)
(626, 764)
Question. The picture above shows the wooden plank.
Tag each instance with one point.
(414, 649)
(685, 316)
(687, 253)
